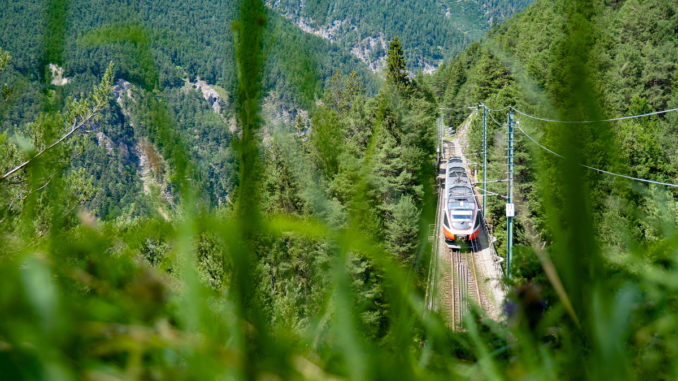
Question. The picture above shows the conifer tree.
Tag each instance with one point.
(396, 66)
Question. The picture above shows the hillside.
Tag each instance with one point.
(188, 39)
(186, 42)
(576, 228)
(634, 61)
(431, 30)
(258, 205)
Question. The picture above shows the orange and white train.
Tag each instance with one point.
(461, 220)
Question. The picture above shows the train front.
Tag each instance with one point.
(461, 222)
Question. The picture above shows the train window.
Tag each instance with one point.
(460, 205)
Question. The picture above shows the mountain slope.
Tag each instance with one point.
(179, 43)
(633, 65)
(627, 63)
(431, 30)
(188, 38)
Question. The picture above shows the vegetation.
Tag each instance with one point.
(600, 235)
(431, 30)
(157, 47)
(248, 250)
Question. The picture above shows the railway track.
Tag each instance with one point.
(458, 288)
(477, 295)
(460, 273)
(464, 285)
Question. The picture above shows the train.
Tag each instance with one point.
(461, 219)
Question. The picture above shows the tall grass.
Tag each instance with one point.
(77, 303)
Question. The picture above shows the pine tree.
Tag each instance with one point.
(396, 65)
(402, 229)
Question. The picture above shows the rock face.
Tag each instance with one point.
(276, 112)
(122, 89)
(331, 31)
(210, 94)
(57, 73)
(105, 141)
(151, 166)
(372, 51)
(431, 29)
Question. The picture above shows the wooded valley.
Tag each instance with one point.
(245, 190)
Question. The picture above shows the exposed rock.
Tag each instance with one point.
(277, 112)
(329, 32)
(370, 46)
(448, 14)
(233, 125)
(105, 141)
(152, 167)
(428, 68)
(57, 73)
(216, 101)
(372, 49)
(122, 88)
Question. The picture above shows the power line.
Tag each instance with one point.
(592, 121)
(496, 109)
(597, 169)
(493, 181)
(491, 193)
(581, 122)
(539, 144)
(495, 121)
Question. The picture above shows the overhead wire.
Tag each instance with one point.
(594, 168)
(495, 109)
(590, 121)
(495, 121)
(490, 193)
(584, 165)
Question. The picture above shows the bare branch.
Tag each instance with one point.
(61, 139)
(98, 97)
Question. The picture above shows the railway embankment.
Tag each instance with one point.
(468, 275)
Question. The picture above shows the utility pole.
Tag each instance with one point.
(510, 207)
(484, 154)
(442, 133)
(438, 145)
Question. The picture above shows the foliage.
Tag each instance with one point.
(579, 231)
(431, 30)
(396, 68)
(156, 47)
(313, 265)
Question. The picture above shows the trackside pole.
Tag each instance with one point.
(510, 208)
(439, 146)
(484, 155)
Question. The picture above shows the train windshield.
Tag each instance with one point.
(462, 214)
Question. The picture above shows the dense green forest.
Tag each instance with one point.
(611, 240)
(166, 235)
(157, 47)
(433, 30)
(187, 39)
(634, 59)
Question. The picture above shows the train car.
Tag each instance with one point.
(461, 220)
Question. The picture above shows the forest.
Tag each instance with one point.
(159, 221)
(432, 31)
(156, 57)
